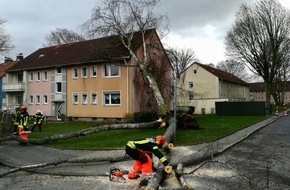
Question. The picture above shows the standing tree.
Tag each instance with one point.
(260, 38)
(62, 36)
(281, 83)
(234, 67)
(124, 18)
(180, 59)
(5, 40)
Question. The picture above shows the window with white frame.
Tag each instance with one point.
(84, 98)
(84, 72)
(112, 98)
(75, 98)
(75, 72)
(44, 99)
(37, 76)
(30, 99)
(190, 84)
(111, 70)
(94, 98)
(44, 76)
(31, 76)
(37, 99)
(58, 87)
(93, 71)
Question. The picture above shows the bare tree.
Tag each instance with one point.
(280, 84)
(124, 18)
(62, 36)
(234, 67)
(180, 59)
(5, 39)
(260, 38)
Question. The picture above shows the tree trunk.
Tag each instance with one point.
(87, 131)
(58, 162)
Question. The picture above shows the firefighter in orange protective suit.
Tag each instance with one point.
(141, 151)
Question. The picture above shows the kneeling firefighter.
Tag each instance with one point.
(141, 151)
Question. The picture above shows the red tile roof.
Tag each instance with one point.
(257, 87)
(96, 50)
(5, 66)
(223, 74)
(260, 87)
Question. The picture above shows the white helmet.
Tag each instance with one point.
(38, 111)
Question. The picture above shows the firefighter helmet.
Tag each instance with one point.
(23, 108)
(161, 140)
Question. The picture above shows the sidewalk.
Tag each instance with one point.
(14, 155)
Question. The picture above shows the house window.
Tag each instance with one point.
(31, 76)
(44, 75)
(111, 70)
(84, 72)
(58, 70)
(84, 98)
(93, 71)
(37, 99)
(31, 99)
(75, 73)
(190, 96)
(94, 97)
(20, 78)
(194, 71)
(75, 98)
(19, 99)
(190, 84)
(44, 98)
(112, 98)
(37, 76)
(58, 87)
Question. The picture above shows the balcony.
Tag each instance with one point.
(13, 87)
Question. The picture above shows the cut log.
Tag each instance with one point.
(158, 177)
(168, 147)
(178, 173)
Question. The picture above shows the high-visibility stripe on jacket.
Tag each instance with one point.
(24, 117)
(148, 145)
(38, 118)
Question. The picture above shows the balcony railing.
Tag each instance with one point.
(13, 87)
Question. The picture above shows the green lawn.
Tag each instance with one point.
(212, 127)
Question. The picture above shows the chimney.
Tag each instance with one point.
(19, 57)
(7, 59)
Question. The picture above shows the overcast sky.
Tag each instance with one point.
(197, 24)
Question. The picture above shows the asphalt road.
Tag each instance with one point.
(262, 161)
(259, 161)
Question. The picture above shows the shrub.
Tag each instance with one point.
(145, 116)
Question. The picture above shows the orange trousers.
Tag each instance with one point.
(22, 135)
(144, 167)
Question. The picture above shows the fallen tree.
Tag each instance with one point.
(84, 132)
(58, 162)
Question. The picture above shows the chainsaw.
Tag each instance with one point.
(116, 175)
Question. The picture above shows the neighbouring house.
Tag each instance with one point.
(90, 80)
(257, 90)
(200, 86)
(8, 62)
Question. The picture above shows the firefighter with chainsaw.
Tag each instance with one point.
(141, 151)
(23, 122)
